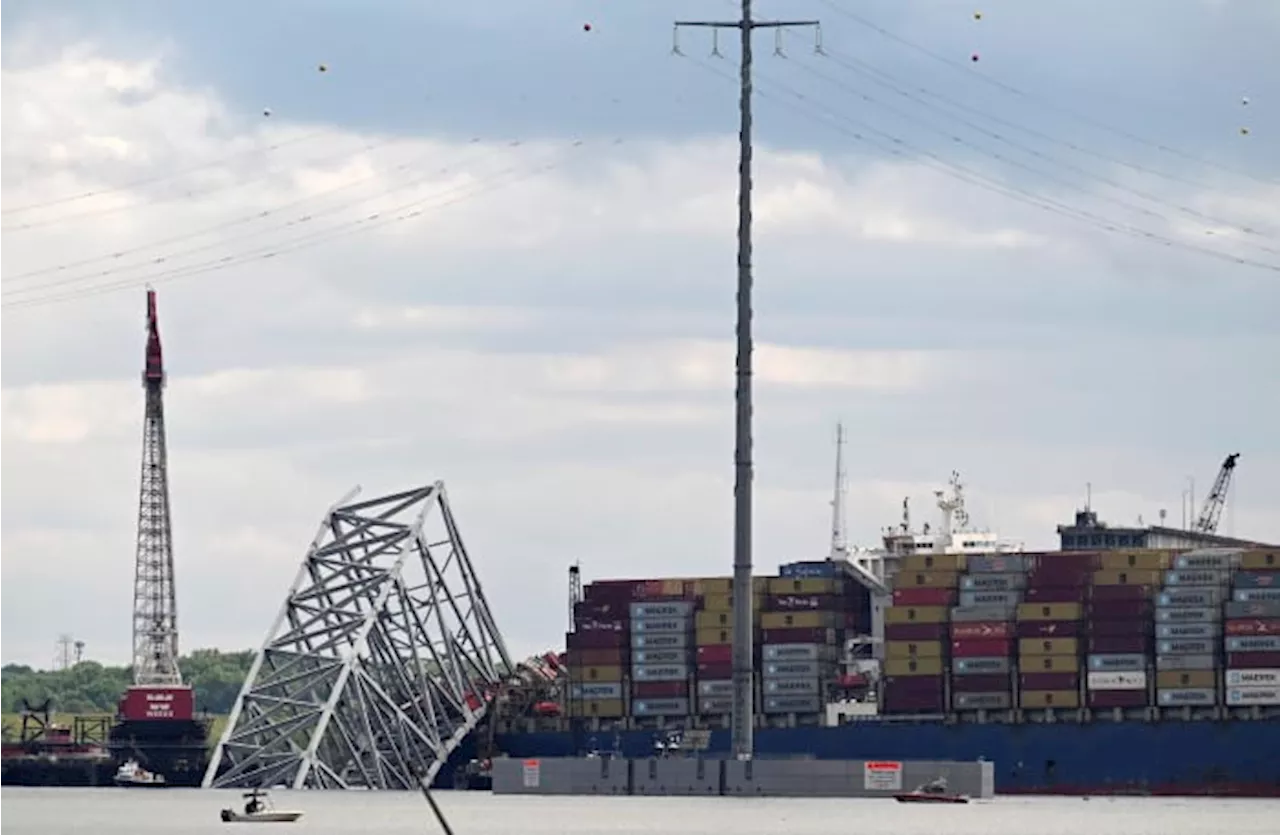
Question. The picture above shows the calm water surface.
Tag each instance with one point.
(122, 812)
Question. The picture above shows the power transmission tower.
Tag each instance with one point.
(743, 673)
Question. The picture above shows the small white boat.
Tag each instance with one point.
(258, 808)
(132, 775)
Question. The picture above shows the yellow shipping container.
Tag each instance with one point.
(1029, 662)
(711, 637)
(798, 620)
(760, 585)
(709, 586)
(913, 649)
(724, 603)
(1186, 678)
(604, 708)
(721, 619)
(1035, 699)
(802, 585)
(913, 667)
(1048, 646)
(934, 562)
(1050, 611)
(926, 580)
(595, 674)
(672, 588)
(1149, 560)
(915, 614)
(1127, 577)
(1259, 560)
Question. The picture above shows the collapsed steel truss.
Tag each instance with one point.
(382, 660)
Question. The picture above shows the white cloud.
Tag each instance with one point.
(559, 351)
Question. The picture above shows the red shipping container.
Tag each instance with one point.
(148, 703)
(1120, 644)
(1121, 628)
(985, 630)
(1055, 594)
(1102, 699)
(715, 672)
(995, 683)
(1108, 594)
(915, 631)
(595, 640)
(798, 635)
(924, 597)
(1253, 660)
(1120, 609)
(1064, 560)
(801, 603)
(913, 685)
(1048, 629)
(598, 625)
(1059, 578)
(1254, 626)
(715, 654)
(1050, 681)
(660, 689)
(979, 648)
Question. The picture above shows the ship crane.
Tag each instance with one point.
(1212, 512)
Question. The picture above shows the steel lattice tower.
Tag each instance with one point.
(155, 608)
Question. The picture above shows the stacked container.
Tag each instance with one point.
(1252, 642)
(599, 651)
(1188, 622)
(916, 633)
(802, 624)
(1049, 630)
(982, 632)
(1120, 628)
(661, 652)
(713, 638)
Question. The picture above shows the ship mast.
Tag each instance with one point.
(839, 536)
(155, 609)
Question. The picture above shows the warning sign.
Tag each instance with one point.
(532, 774)
(882, 776)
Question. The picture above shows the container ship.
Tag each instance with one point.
(1131, 661)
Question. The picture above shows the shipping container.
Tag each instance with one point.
(1119, 609)
(1260, 560)
(717, 620)
(1048, 663)
(803, 603)
(715, 670)
(1048, 646)
(796, 636)
(1188, 646)
(792, 669)
(1187, 698)
(660, 672)
(1050, 611)
(1055, 594)
(1253, 678)
(678, 610)
(792, 704)
(1127, 577)
(660, 707)
(660, 656)
(1105, 699)
(913, 666)
(1253, 609)
(1186, 679)
(600, 625)
(804, 585)
(1106, 594)
(803, 620)
(713, 637)
(993, 582)
(981, 701)
(1247, 696)
(721, 687)
(915, 631)
(924, 597)
(587, 674)
(1191, 596)
(1212, 561)
(720, 603)
(1136, 680)
(926, 580)
(1050, 628)
(1060, 578)
(794, 652)
(1117, 662)
(659, 589)
(1253, 626)
(585, 610)
(1040, 699)
(792, 686)
(913, 649)
(1256, 580)
(715, 654)
(996, 565)
(1196, 578)
(990, 598)
(980, 666)
(603, 708)
(981, 648)
(808, 568)
(1254, 660)
(662, 640)
(906, 685)
(715, 705)
(948, 563)
(661, 626)
(596, 690)
(618, 657)
(1252, 595)
(987, 683)
(913, 614)
(145, 703)
(1207, 614)
(1266, 643)
(1119, 644)
(709, 585)
(1131, 626)
(1144, 560)
(1049, 681)
(988, 630)
(595, 640)
(1186, 662)
(1067, 560)
(660, 689)
(624, 589)
(1187, 630)
(981, 614)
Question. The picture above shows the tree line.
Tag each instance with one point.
(90, 687)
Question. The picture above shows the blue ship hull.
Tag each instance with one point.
(1174, 758)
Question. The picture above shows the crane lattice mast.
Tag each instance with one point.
(1212, 512)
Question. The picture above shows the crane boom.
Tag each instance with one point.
(1212, 512)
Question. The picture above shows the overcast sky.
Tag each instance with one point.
(990, 266)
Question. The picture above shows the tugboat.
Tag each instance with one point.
(934, 791)
(132, 775)
(258, 809)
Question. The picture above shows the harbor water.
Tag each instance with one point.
(126, 812)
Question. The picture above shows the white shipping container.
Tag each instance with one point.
(1117, 681)
(1253, 678)
(1261, 696)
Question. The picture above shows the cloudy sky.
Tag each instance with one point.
(490, 247)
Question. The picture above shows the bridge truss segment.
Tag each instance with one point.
(384, 657)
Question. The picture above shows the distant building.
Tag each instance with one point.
(1088, 534)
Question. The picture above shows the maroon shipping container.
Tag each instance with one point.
(1119, 643)
(599, 625)
(158, 702)
(619, 657)
(660, 689)
(1064, 560)
(1049, 681)
(913, 685)
(801, 603)
(613, 590)
(715, 654)
(924, 597)
(1253, 660)
(1103, 699)
(1120, 610)
(1055, 594)
(982, 648)
(984, 630)
(798, 635)
(1101, 594)
(915, 631)
(1121, 628)
(1059, 579)
(997, 683)
(1253, 626)
(904, 705)
(715, 671)
(600, 610)
(1048, 629)
(595, 640)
